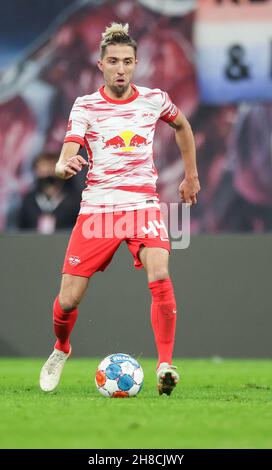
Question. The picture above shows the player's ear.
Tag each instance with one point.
(100, 66)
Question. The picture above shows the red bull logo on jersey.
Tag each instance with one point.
(126, 141)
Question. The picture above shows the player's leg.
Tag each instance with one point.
(163, 313)
(86, 254)
(65, 309)
(64, 317)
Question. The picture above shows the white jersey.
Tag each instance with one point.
(118, 136)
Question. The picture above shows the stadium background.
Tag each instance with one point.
(49, 56)
(222, 281)
(45, 65)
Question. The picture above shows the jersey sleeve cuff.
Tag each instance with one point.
(169, 117)
(75, 138)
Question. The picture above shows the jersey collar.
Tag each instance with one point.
(110, 100)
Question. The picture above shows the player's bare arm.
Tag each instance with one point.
(190, 186)
(69, 163)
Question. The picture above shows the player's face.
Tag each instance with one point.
(118, 65)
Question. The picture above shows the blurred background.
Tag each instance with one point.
(214, 58)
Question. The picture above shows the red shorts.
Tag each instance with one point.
(96, 237)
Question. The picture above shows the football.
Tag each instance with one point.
(119, 376)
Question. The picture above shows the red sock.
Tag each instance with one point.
(63, 325)
(163, 318)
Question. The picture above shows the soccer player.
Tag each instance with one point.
(116, 124)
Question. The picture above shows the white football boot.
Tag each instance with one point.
(167, 378)
(52, 369)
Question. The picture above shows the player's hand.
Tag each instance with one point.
(188, 190)
(74, 165)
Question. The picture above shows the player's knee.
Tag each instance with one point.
(158, 274)
(68, 302)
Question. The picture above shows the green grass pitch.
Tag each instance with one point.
(218, 404)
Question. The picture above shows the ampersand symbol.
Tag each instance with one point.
(236, 69)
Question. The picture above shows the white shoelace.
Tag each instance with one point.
(54, 361)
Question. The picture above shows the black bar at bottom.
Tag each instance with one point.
(118, 458)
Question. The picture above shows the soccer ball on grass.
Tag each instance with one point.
(119, 376)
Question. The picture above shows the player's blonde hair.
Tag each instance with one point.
(116, 33)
